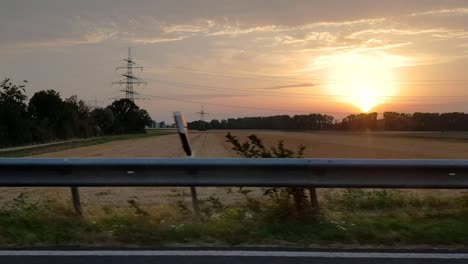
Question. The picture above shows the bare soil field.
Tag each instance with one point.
(319, 145)
(211, 144)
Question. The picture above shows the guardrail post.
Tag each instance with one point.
(195, 205)
(76, 201)
(314, 201)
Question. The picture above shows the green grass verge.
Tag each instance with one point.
(78, 144)
(351, 218)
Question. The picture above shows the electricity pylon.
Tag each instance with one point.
(129, 78)
(202, 114)
(202, 118)
(95, 102)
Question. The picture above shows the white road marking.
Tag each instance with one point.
(216, 253)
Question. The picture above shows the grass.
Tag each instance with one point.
(350, 218)
(78, 144)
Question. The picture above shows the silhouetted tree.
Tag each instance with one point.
(361, 121)
(285, 122)
(394, 121)
(128, 117)
(14, 117)
(103, 120)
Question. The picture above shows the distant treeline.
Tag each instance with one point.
(47, 117)
(390, 121)
(312, 122)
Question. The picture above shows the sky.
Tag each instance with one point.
(244, 58)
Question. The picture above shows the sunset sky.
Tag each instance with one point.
(245, 58)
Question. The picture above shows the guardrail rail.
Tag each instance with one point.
(310, 173)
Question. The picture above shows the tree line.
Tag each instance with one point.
(47, 117)
(390, 121)
(284, 122)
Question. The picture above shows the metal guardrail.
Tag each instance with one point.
(338, 173)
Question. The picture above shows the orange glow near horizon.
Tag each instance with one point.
(362, 80)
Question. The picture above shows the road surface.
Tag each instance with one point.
(231, 257)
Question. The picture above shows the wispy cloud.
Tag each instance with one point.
(199, 27)
(454, 11)
(295, 39)
(213, 28)
(235, 30)
(372, 44)
(437, 33)
(396, 31)
(369, 21)
(299, 85)
(94, 37)
(154, 40)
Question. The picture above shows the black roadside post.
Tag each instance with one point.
(182, 130)
(76, 201)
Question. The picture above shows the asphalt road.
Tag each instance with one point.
(231, 257)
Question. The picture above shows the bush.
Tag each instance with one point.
(254, 148)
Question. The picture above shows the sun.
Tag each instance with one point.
(363, 80)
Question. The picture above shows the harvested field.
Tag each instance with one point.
(319, 145)
(212, 144)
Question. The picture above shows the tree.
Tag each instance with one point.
(215, 124)
(46, 105)
(14, 118)
(75, 119)
(397, 121)
(103, 120)
(303, 122)
(361, 121)
(128, 117)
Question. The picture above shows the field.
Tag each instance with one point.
(162, 216)
(386, 145)
(212, 144)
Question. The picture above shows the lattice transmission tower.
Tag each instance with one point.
(202, 114)
(130, 80)
(95, 103)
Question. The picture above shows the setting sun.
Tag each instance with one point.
(364, 81)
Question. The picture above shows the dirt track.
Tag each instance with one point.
(212, 144)
(205, 145)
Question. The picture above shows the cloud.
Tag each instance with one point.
(367, 21)
(301, 38)
(369, 45)
(197, 27)
(95, 37)
(446, 12)
(435, 33)
(154, 40)
(396, 31)
(299, 85)
(236, 30)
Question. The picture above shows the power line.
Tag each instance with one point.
(129, 78)
(243, 107)
(259, 91)
(261, 76)
(251, 76)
